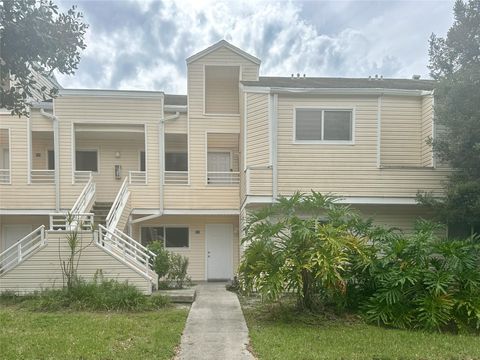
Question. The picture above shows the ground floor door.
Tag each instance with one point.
(12, 233)
(219, 239)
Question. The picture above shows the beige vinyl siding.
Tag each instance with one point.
(30, 220)
(106, 184)
(222, 56)
(258, 138)
(196, 252)
(111, 110)
(42, 269)
(401, 124)
(427, 130)
(347, 170)
(221, 89)
(402, 217)
(40, 122)
(177, 126)
(19, 194)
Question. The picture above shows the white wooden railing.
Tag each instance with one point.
(24, 247)
(176, 177)
(71, 221)
(118, 205)
(223, 177)
(130, 250)
(86, 197)
(4, 176)
(137, 177)
(82, 176)
(42, 176)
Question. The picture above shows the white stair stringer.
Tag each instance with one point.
(128, 251)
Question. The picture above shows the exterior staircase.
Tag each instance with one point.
(101, 210)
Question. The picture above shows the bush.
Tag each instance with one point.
(171, 268)
(103, 295)
(302, 245)
(422, 281)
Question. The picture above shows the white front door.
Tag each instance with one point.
(219, 161)
(14, 232)
(219, 238)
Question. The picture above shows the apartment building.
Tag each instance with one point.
(186, 169)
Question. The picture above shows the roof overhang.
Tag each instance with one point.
(111, 93)
(225, 44)
(335, 91)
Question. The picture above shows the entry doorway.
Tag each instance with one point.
(219, 244)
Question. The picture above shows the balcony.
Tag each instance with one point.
(42, 176)
(42, 158)
(137, 177)
(5, 156)
(4, 176)
(176, 159)
(223, 159)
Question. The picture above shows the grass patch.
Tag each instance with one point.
(281, 333)
(81, 335)
(105, 295)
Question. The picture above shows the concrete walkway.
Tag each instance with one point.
(215, 328)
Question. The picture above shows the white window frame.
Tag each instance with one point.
(97, 150)
(165, 237)
(9, 154)
(323, 109)
(240, 78)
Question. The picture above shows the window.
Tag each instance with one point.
(170, 236)
(142, 161)
(323, 125)
(176, 161)
(86, 160)
(51, 160)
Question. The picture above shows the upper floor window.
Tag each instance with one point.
(86, 160)
(324, 125)
(221, 89)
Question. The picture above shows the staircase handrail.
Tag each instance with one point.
(118, 205)
(129, 249)
(84, 198)
(31, 242)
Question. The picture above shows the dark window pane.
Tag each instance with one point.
(150, 234)
(337, 125)
(51, 160)
(86, 160)
(308, 124)
(176, 237)
(176, 162)
(142, 161)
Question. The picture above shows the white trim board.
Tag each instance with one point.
(227, 45)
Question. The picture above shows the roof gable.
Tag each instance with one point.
(227, 45)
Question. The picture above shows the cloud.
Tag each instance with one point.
(141, 44)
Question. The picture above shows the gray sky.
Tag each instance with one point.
(142, 45)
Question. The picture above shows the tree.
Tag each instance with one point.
(455, 64)
(35, 40)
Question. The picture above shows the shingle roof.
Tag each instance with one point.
(175, 99)
(332, 83)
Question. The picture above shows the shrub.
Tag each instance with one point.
(177, 273)
(171, 268)
(102, 295)
(422, 281)
(302, 244)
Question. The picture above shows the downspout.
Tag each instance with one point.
(56, 150)
(162, 157)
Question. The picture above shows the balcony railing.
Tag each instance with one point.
(223, 177)
(69, 221)
(42, 176)
(4, 176)
(82, 177)
(137, 177)
(176, 177)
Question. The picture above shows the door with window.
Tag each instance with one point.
(219, 167)
(219, 239)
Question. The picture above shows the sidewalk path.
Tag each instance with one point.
(215, 328)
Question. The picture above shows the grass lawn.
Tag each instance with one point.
(87, 335)
(293, 336)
